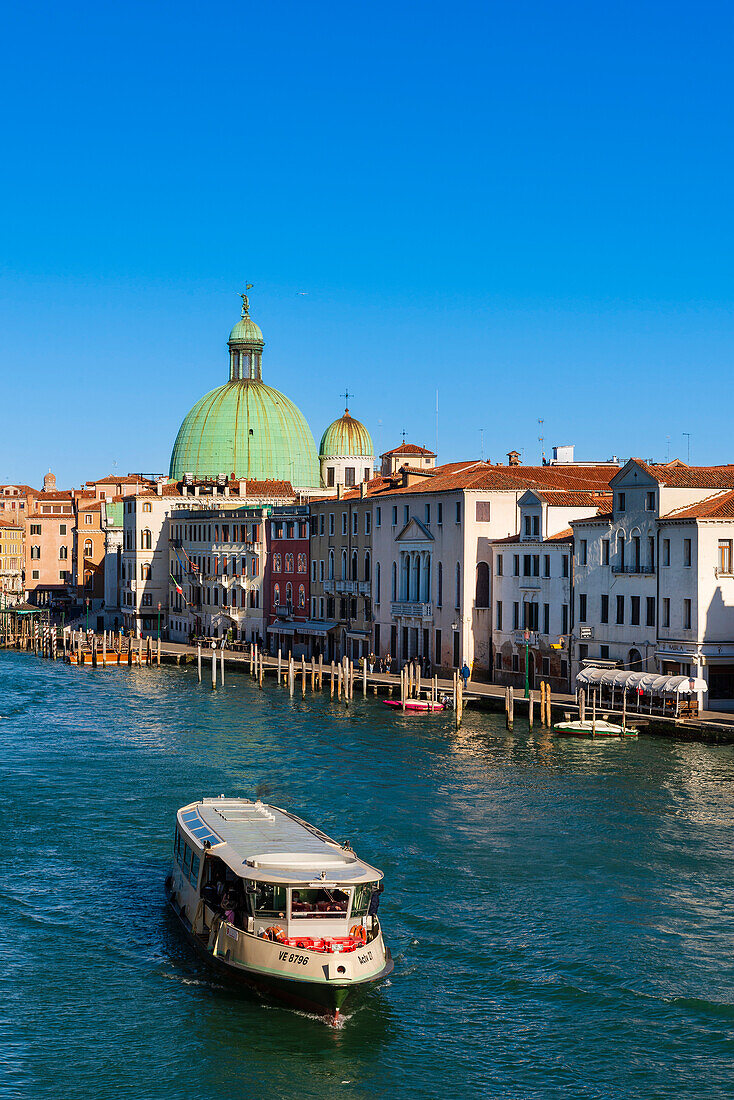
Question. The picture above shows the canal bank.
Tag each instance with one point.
(560, 914)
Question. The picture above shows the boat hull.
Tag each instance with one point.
(415, 705)
(321, 997)
(598, 732)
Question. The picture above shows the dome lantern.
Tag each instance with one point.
(245, 347)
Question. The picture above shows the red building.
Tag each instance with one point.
(286, 582)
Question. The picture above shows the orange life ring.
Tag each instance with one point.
(357, 932)
(274, 933)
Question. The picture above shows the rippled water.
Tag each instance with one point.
(561, 914)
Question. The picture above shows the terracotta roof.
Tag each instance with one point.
(90, 506)
(719, 506)
(4, 524)
(562, 536)
(128, 479)
(55, 494)
(602, 517)
(408, 449)
(677, 475)
(23, 488)
(270, 487)
(568, 498)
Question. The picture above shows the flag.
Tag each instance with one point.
(176, 585)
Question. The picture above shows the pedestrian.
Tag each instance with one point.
(465, 674)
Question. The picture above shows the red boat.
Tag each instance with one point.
(413, 704)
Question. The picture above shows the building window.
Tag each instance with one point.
(145, 572)
(367, 566)
(321, 570)
(313, 571)
(499, 565)
(344, 523)
(302, 563)
(530, 616)
(725, 555)
(289, 563)
(458, 511)
(582, 607)
(515, 616)
(457, 598)
(355, 569)
(481, 597)
(499, 614)
(564, 618)
(301, 596)
(276, 595)
(604, 608)
(394, 582)
(546, 565)
(277, 563)
(439, 598)
(146, 506)
(349, 475)
(686, 614)
(498, 661)
(330, 476)
(331, 565)
(289, 596)
(439, 514)
(331, 523)
(516, 565)
(367, 523)
(634, 610)
(651, 550)
(406, 513)
(650, 611)
(62, 529)
(87, 517)
(686, 551)
(35, 575)
(427, 514)
(35, 551)
(36, 529)
(546, 618)
(147, 600)
(63, 553)
(650, 502)
(666, 551)
(620, 610)
(605, 551)
(395, 515)
(344, 575)
(146, 539)
(378, 516)
(87, 548)
(583, 652)
(483, 511)
(377, 583)
(604, 652)
(322, 519)
(583, 555)
(621, 502)
(515, 662)
(666, 611)
(564, 565)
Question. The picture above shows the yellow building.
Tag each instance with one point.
(12, 556)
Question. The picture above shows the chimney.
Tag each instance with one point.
(196, 490)
(339, 491)
(362, 490)
(159, 488)
(513, 458)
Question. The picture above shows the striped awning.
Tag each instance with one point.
(649, 682)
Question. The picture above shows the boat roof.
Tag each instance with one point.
(263, 842)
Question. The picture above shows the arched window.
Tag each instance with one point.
(289, 563)
(481, 598)
(276, 595)
(331, 565)
(301, 595)
(63, 553)
(439, 593)
(289, 596)
(88, 579)
(87, 548)
(277, 563)
(302, 563)
(254, 568)
(367, 566)
(344, 565)
(394, 588)
(146, 539)
(145, 572)
(146, 506)
(354, 565)
(457, 598)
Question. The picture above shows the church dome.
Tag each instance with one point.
(246, 428)
(347, 437)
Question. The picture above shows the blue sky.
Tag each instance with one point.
(526, 206)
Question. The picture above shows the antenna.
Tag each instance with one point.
(437, 422)
(541, 439)
(687, 436)
(481, 444)
(668, 448)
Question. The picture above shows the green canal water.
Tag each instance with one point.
(561, 914)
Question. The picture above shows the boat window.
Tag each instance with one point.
(194, 874)
(362, 895)
(187, 860)
(269, 900)
(319, 903)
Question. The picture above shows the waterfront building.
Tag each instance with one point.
(346, 453)
(12, 555)
(216, 563)
(407, 454)
(532, 587)
(112, 525)
(245, 428)
(16, 501)
(341, 574)
(89, 553)
(49, 547)
(115, 486)
(287, 580)
(651, 582)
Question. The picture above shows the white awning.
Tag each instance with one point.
(649, 682)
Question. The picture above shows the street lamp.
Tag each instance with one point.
(87, 602)
(159, 620)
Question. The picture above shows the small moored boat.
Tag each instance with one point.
(276, 904)
(414, 704)
(594, 729)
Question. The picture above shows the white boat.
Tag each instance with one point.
(593, 729)
(276, 904)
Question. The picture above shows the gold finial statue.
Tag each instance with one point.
(246, 300)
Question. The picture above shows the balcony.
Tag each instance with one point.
(529, 582)
(635, 570)
(352, 588)
(330, 586)
(411, 610)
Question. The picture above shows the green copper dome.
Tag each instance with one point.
(245, 428)
(346, 437)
